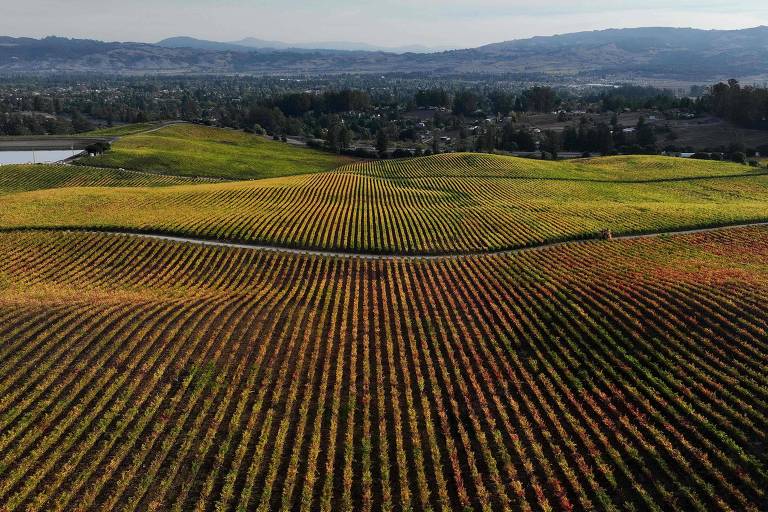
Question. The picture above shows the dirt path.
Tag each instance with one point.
(374, 256)
(164, 124)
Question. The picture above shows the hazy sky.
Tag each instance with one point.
(455, 23)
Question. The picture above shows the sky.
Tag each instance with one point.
(433, 23)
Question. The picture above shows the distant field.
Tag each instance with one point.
(442, 204)
(192, 150)
(147, 375)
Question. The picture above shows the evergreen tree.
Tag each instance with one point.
(382, 142)
(646, 136)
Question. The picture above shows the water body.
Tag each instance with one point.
(41, 157)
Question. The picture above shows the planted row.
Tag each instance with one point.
(140, 374)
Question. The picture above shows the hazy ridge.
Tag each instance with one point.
(655, 53)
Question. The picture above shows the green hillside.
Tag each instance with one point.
(192, 150)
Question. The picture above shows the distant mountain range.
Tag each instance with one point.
(251, 43)
(616, 54)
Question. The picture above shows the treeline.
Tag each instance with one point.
(610, 138)
(587, 137)
(636, 97)
(746, 106)
(743, 105)
(467, 102)
(31, 123)
(298, 104)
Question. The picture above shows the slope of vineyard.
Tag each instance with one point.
(25, 178)
(148, 375)
(634, 168)
(193, 150)
(442, 204)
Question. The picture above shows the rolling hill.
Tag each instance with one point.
(201, 151)
(443, 204)
(652, 53)
(142, 372)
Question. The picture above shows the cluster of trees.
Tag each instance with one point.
(734, 152)
(490, 137)
(636, 97)
(743, 105)
(432, 98)
(537, 99)
(33, 124)
(466, 102)
(298, 104)
(98, 148)
(587, 137)
(338, 137)
(608, 138)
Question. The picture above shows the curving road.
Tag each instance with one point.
(374, 256)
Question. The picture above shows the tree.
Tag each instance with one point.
(98, 148)
(338, 137)
(487, 138)
(525, 141)
(738, 157)
(746, 106)
(432, 98)
(509, 138)
(268, 118)
(551, 143)
(465, 103)
(646, 136)
(539, 99)
(190, 109)
(80, 123)
(295, 104)
(382, 142)
(501, 102)
(603, 140)
(435, 142)
(571, 140)
(344, 101)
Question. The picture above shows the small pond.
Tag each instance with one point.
(41, 157)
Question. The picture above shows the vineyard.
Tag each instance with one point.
(146, 374)
(26, 178)
(140, 374)
(622, 169)
(435, 205)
